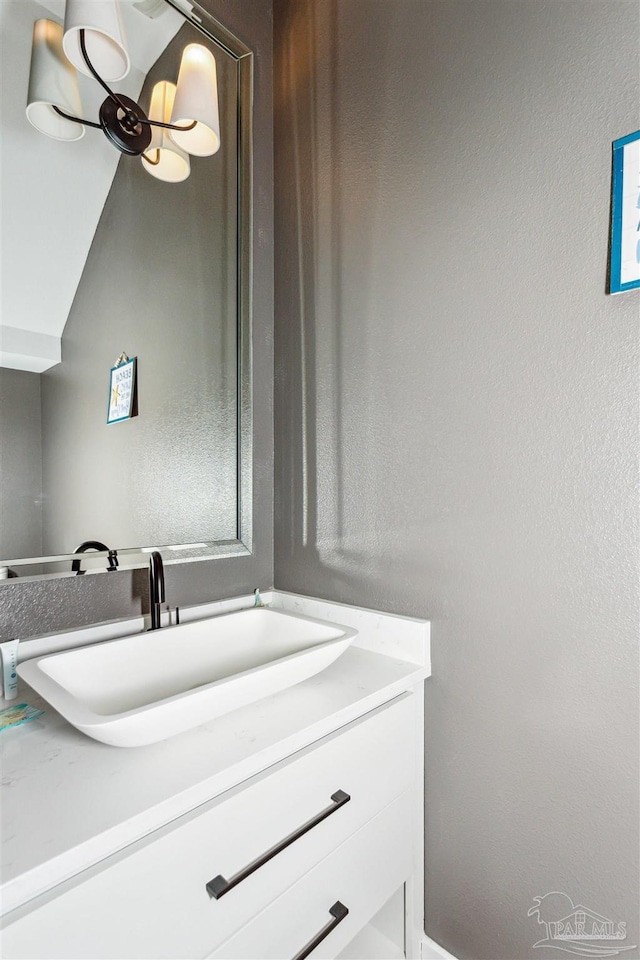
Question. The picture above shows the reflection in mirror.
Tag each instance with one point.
(103, 262)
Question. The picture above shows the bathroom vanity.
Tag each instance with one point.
(291, 827)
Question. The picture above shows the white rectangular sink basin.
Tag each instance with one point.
(150, 686)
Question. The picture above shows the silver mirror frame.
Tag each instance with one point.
(138, 557)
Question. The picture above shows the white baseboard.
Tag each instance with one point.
(430, 950)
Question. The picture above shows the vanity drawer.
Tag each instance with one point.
(151, 899)
(361, 875)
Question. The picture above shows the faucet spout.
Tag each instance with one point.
(156, 588)
(94, 545)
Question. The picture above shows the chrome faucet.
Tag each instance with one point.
(156, 588)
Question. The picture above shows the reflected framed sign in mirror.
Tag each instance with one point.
(125, 236)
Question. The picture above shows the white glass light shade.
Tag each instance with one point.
(52, 82)
(104, 37)
(166, 160)
(197, 99)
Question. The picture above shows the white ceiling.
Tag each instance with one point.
(52, 193)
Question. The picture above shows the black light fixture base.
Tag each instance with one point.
(127, 130)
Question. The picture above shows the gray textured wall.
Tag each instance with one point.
(160, 284)
(20, 464)
(456, 417)
(27, 609)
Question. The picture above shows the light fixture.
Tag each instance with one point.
(197, 100)
(163, 158)
(53, 101)
(101, 25)
(182, 120)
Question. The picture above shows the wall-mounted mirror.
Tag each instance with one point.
(102, 259)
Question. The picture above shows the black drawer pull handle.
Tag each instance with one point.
(338, 911)
(217, 887)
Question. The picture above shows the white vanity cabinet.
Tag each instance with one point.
(257, 871)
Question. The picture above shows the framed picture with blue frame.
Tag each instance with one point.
(122, 390)
(624, 267)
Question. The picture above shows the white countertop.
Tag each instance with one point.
(69, 801)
